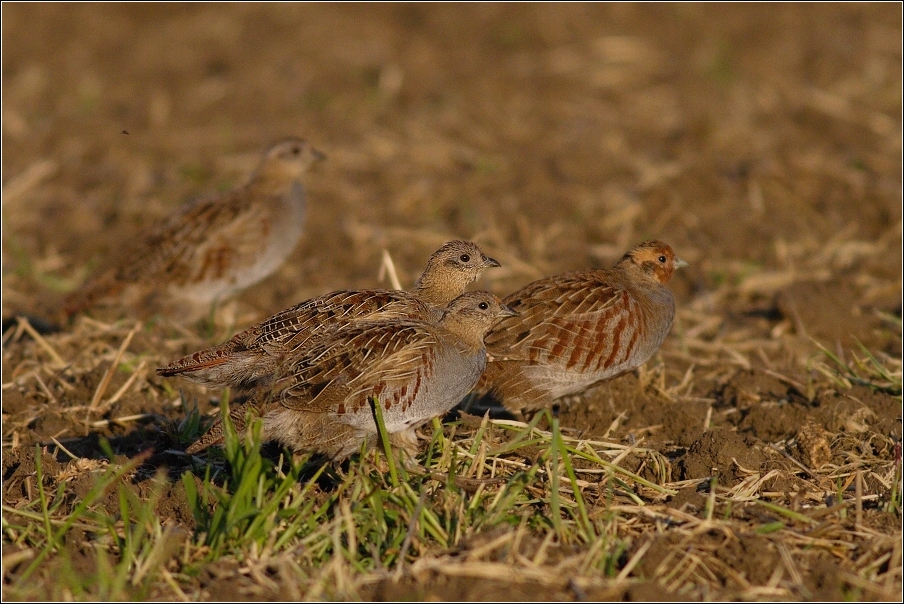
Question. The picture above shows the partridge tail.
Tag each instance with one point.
(217, 433)
(226, 365)
(197, 361)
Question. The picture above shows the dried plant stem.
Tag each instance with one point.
(105, 381)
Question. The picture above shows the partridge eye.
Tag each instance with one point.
(483, 306)
(464, 258)
(662, 259)
(296, 150)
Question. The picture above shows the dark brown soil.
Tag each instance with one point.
(763, 142)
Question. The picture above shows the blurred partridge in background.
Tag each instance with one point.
(213, 248)
(251, 357)
(320, 400)
(577, 329)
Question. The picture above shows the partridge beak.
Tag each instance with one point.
(318, 155)
(490, 262)
(679, 263)
(508, 311)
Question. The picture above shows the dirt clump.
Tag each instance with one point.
(721, 454)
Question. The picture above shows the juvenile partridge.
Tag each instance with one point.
(577, 329)
(250, 358)
(213, 248)
(416, 370)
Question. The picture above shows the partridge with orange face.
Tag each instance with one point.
(321, 398)
(214, 248)
(577, 329)
(251, 357)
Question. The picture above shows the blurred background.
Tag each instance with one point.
(762, 142)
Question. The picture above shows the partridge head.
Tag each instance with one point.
(284, 163)
(449, 271)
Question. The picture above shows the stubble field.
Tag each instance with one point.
(757, 456)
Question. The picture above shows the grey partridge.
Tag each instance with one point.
(213, 248)
(320, 399)
(250, 358)
(577, 329)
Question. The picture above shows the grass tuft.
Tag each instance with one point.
(879, 374)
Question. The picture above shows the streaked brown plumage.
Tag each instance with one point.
(213, 248)
(250, 358)
(416, 370)
(577, 329)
